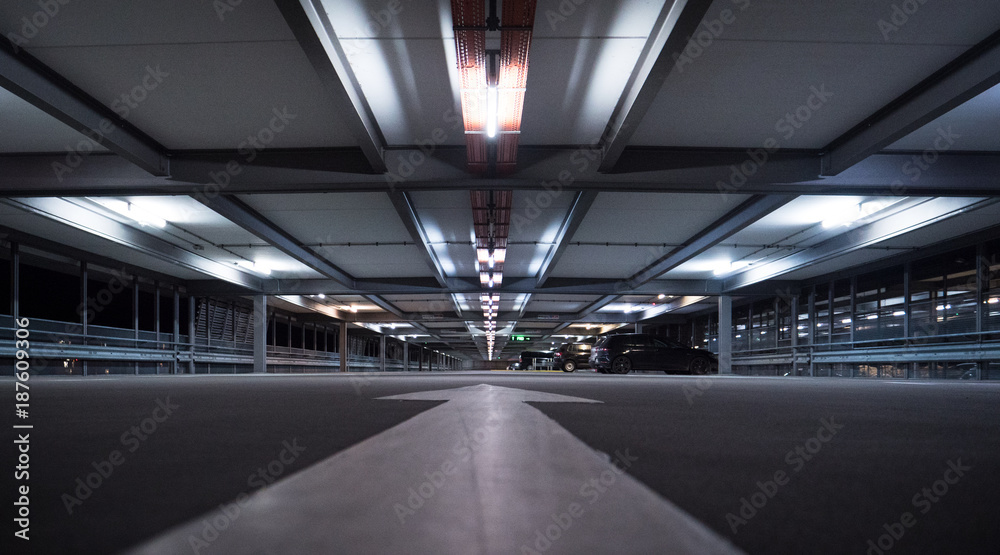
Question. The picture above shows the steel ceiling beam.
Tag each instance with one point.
(674, 26)
(574, 217)
(403, 204)
(76, 216)
(723, 228)
(659, 170)
(904, 221)
(32, 81)
(565, 286)
(972, 73)
(237, 212)
(311, 26)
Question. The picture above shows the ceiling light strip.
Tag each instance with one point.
(469, 20)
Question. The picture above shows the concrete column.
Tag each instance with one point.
(175, 336)
(84, 294)
(260, 333)
(191, 323)
(420, 359)
(725, 334)
(381, 353)
(406, 356)
(156, 311)
(811, 322)
(638, 327)
(343, 347)
(135, 317)
(15, 282)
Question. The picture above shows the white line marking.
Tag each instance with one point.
(486, 473)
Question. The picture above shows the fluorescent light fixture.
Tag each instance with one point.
(845, 321)
(729, 267)
(139, 215)
(872, 317)
(994, 300)
(321, 296)
(491, 112)
(482, 255)
(661, 296)
(258, 267)
(899, 313)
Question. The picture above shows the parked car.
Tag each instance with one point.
(620, 354)
(571, 356)
(528, 358)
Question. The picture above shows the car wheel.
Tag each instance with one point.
(621, 365)
(700, 366)
(569, 366)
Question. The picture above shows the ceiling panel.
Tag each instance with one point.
(972, 126)
(28, 129)
(333, 217)
(738, 93)
(209, 95)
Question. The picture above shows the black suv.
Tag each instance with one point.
(571, 356)
(620, 354)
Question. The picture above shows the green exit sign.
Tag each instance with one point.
(520, 338)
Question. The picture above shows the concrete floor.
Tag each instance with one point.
(830, 464)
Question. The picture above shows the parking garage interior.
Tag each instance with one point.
(269, 273)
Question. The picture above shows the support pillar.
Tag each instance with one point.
(135, 318)
(638, 327)
(191, 325)
(381, 353)
(343, 347)
(406, 356)
(725, 334)
(420, 360)
(175, 337)
(260, 334)
(15, 282)
(84, 293)
(812, 330)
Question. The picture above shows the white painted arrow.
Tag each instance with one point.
(482, 473)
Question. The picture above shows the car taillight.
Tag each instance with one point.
(558, 354)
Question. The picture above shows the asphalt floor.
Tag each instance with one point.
(774, 465)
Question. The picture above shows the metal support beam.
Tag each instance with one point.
(234, 210)
(32, 81)
(725, 334)
(403, 204)
(674, 26)
(574, 217)
(974, 72)
(311, 26)
(260, 333)
(82, 218)
(917, 216)
(742, 216)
